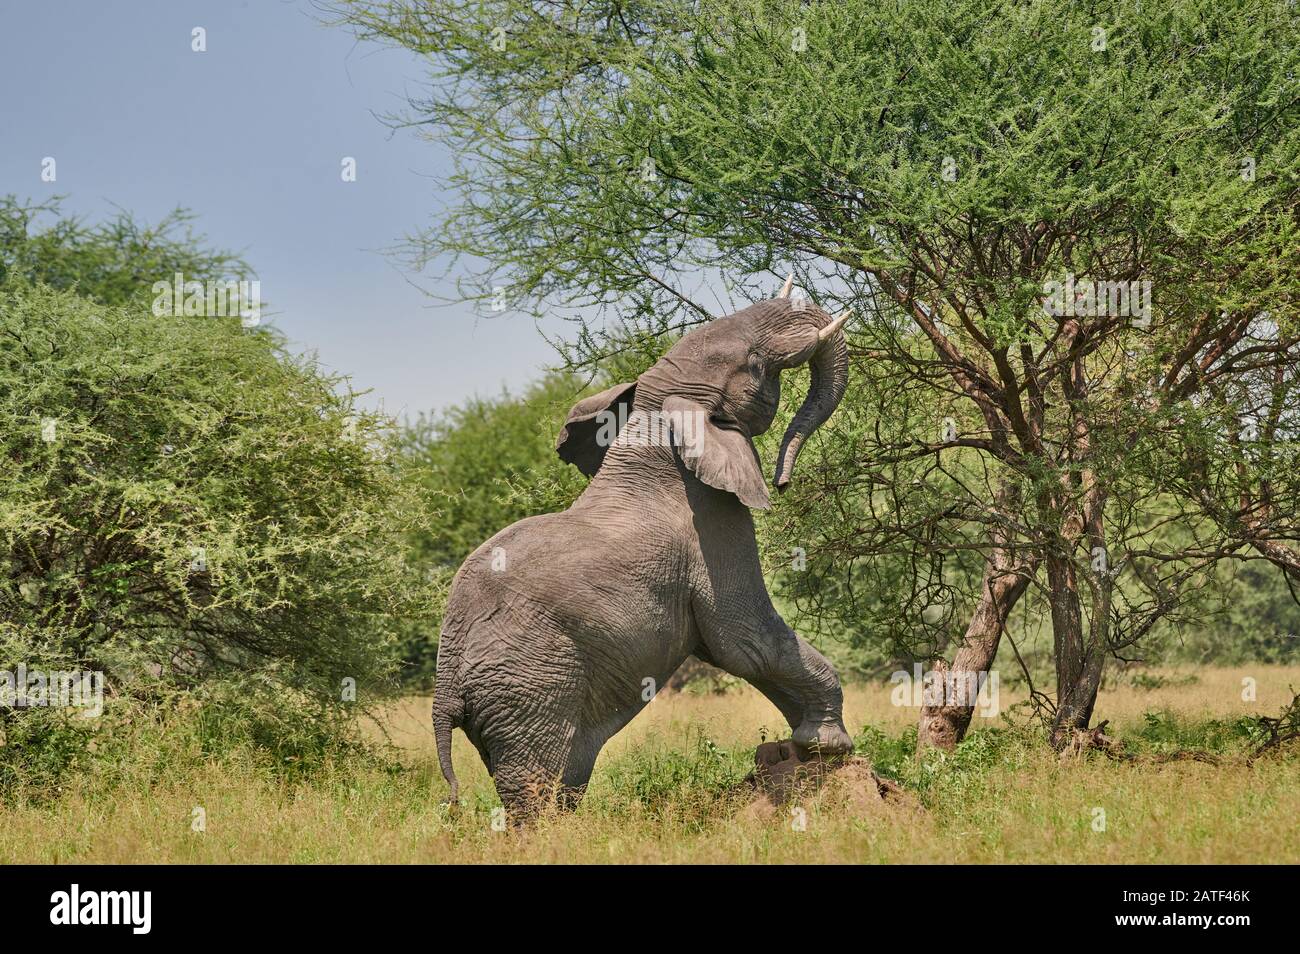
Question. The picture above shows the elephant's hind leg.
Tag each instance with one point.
(582, 759)
(530, 782)
(524, 794)
(529, 768)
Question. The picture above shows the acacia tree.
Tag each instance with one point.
(1062, 227)
(186, 507)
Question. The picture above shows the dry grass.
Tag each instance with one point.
(661, 795)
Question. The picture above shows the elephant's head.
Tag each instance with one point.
(727, 374)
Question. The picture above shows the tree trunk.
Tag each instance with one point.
(1076, 700)
(1079, 661)
(943, 726)
(1067, 636)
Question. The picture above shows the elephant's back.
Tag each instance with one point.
(580, 555)
(577, 597)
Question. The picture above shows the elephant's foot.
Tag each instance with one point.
(822, 740)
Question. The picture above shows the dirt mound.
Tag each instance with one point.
(847, 785)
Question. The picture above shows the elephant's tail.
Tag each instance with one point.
(448, 712)
(444, 720)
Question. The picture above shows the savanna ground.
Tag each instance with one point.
(665, 790)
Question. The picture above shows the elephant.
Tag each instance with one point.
(561, 628)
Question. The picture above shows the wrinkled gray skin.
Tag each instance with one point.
(562, 627)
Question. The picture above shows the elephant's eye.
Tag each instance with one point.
(756, 365)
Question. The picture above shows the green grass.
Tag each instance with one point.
(668, 790)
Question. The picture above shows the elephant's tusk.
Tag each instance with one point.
(836, 324)
(785, 289)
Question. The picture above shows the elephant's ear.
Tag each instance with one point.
(592, 425)
(721, 457)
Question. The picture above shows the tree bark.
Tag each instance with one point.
(1067, 636)
(1080, 657)
(1079, 663)
(943, 726)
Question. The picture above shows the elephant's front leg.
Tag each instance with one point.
(744, 635)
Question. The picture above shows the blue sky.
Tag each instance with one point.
(250, 135)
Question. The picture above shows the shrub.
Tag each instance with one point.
(688, 784)
(183, 504)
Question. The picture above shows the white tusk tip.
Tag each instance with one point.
(835, 325)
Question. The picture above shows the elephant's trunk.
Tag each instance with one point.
(830, 377)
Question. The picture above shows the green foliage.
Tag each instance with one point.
(40, 747)
(890, 756)
(947, 780)
(489, 462)
(137, 744)
(183, 501)
(692, 781)
(1163, 731)
(111, 262)
(1149, 681)
(1015, 804)
(134, 442)
(1253, 617)
(888, 573)
(773, 128)
(942, 778)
